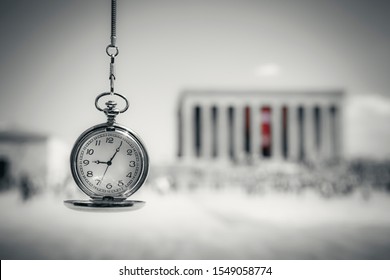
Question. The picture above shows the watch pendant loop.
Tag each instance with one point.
(112, 50)
(109, 93)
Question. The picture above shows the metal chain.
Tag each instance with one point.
(112, 50)
(113, 22)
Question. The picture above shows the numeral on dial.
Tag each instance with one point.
(132, 163)
(129, 152)
(86, 162)
(108, 186)
(97, 143)
(120, 183)
(90, 151)
(110, 140)
(97, 181)
(130, 174)
(89, 174)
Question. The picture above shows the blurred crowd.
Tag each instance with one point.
(326, 179)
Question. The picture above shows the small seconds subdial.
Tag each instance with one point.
(109, 163)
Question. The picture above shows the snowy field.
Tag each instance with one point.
(200, 225)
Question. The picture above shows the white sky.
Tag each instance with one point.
(53, 61)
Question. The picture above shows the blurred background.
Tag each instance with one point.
(267, 125)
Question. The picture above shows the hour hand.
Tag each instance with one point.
(98, 162)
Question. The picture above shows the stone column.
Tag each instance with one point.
(326, 132)
(188, 130)
(222, 132)
(339, 132)
(276, 128)
(238, 132)
(255, 131)
(292, 132)
(309, 131)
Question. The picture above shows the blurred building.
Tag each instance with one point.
(250, 126)
(31, 159)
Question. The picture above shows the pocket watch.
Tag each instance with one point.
(109, 163)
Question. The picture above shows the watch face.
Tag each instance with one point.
(109, 162)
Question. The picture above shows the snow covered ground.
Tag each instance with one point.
(200, 225)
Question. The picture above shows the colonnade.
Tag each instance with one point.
(254, 126)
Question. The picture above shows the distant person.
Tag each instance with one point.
(26, 187)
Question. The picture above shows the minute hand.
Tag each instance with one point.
(110, 161)
(116, 151)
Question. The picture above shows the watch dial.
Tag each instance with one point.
(110, 163)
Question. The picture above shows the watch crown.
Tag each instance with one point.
(111, 112)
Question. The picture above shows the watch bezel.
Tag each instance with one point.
(94, 130)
